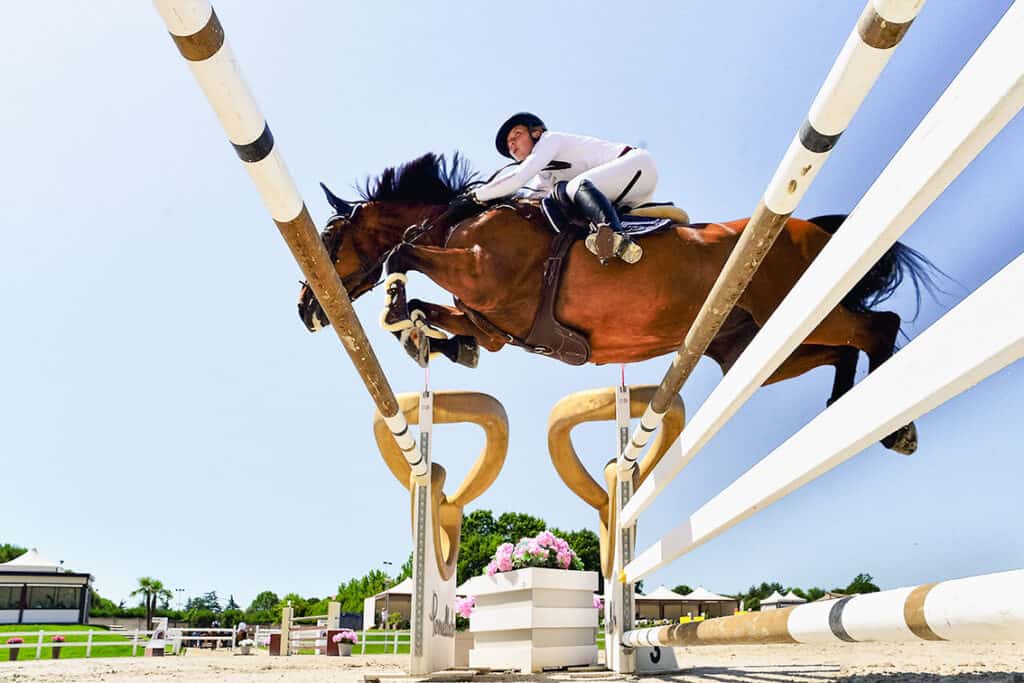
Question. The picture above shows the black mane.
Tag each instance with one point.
(430, 179)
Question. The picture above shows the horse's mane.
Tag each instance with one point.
(429, 179)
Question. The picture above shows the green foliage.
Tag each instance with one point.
(586, 545)
(151, 590)
(8, 552)
(208, 602)
(406, 570)
(267, 600)
(352, 593)
(862, 583)
(682, 589)
(755, 594)
(482, 534)
(232, 605)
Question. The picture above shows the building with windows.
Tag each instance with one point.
(35, 590)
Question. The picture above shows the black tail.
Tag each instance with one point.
(880, 283)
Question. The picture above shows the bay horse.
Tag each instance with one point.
(493, 263)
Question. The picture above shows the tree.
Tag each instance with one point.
(862, 583)
(352, 593)
(231, 604)
(8, 552)
(267, 600)
(151, 591)
(682, 589)
(406, 571)
(207, 602)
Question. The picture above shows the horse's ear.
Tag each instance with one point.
(340, 206)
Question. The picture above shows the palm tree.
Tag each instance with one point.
(151, 591)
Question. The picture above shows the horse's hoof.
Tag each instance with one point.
(416, 345)
(469, 351)
(903, 440)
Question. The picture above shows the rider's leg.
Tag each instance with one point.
(626, 179)
(606, 239)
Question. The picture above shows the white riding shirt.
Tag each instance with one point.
(564, 156)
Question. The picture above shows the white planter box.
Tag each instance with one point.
(533, 619)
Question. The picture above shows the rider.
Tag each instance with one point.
(593, 168)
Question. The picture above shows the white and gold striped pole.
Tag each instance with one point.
(879, 30)
(982, 608)
(198, 34)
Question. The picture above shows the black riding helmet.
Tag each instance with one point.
(523, 118)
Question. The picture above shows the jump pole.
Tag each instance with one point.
(199, 36)
(986, 94)
(881, 27)
(987, 607)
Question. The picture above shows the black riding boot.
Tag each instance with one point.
(606, 239)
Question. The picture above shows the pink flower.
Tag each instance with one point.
(346, 635)
(598, 602)
(564, 560)
(492, 568)
(561, 545)
(464, 606)
(58, 639)
(546, 538)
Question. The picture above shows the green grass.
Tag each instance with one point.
(100, 634)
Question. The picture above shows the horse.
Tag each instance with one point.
(493, 264)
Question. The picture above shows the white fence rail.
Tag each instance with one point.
(176, 638)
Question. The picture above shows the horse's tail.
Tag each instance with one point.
(888, 273)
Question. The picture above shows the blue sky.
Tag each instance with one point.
(164, 412)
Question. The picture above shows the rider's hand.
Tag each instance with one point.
(464, 206)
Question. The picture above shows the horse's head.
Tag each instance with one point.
(361, 234)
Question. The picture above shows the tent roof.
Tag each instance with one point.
(776, 597)
(704, 595)
(662, 593)
(31, 561)
(403, 588)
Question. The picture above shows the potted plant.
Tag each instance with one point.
(13, 653)
(55, 650)
(245, 645)
(345, 639)
(538, 586)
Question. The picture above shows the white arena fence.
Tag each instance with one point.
(391, 641)
(177, 639)
(977, 338)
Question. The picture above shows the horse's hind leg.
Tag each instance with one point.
(809, 356)
(874, 333)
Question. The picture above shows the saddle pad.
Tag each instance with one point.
(638, 226)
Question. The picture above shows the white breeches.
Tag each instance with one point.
(613, 177)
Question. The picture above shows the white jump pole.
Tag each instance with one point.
(980, 101)
(199, 36)
(879, 30)
(987, 607)
(976, 339)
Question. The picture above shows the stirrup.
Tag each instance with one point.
(603, 242)
(628, 250)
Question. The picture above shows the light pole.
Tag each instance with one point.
(178, 594)
(387, 598)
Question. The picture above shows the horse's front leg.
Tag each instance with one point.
(452, 269)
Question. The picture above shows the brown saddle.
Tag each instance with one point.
(548, 336)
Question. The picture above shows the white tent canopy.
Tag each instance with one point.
(704, 595)
(402, 588)
(662, 593)
(32, 561)
(776, 599)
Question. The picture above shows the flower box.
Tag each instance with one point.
(534, 618)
